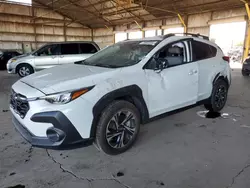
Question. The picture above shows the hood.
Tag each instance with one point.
(22, 56)
(67, 77)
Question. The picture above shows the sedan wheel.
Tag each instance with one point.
(24, 70)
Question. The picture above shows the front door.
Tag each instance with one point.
(176, 85)
(47, 57)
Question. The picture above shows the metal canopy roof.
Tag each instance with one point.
(106, 13)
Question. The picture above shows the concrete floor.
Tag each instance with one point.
(178, 151)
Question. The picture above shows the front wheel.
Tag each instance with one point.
(24, 70)
(118, 127)
(244, 73)
(219, 96)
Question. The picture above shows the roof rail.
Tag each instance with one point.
(187, 34)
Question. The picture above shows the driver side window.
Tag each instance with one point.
(172, 55)
(49, 50)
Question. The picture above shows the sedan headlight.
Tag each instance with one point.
(13, 60)
(65, 97)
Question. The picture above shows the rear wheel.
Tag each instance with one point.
(24, 70)
(118, 127)
(219, 96)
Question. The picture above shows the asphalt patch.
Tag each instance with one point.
(119, 174)
(17, 186)
(212, 115)
(160, 183)
(12, 173)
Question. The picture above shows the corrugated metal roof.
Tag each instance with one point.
(101, 13)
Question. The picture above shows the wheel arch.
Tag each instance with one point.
(132, 93)
(20, 64)
(222, 77)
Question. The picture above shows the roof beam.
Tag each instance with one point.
(97, 3)
(98, 16)
(138, 17)
(56, 10)
(98, 11)
(188, 7)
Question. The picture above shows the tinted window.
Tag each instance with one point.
(69, 49)
(87, 48)
(48, 50)
(202, 51)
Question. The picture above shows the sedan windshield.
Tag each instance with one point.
(121, 54)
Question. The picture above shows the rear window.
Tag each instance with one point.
(202, 51)
(87, 48)
(69, 49)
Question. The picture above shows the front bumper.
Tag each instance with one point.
(62, 135)
(10, 69)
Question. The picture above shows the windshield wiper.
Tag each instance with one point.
(79, 62)
(105, 65)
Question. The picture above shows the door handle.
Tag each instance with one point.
(193, 72)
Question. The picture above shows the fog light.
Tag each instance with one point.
(54, 135)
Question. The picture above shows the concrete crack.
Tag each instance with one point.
(90, 180)
(238, 174)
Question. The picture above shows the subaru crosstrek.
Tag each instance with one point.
(106, 97)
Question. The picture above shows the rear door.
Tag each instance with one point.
(47, 56)
(205, 56)
(87, 50)
(69, 53)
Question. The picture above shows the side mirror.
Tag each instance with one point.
(161, 64)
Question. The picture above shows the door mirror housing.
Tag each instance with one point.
(160, 64)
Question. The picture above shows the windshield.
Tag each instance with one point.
(121, 54)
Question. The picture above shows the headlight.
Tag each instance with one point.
(65, 97)
(12, 60)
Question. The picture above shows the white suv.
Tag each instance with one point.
(106, 97)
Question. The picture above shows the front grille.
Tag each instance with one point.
(19, 104)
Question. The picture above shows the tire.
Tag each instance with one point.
(244, 73)
(125, 134)
(218, 98)
(24, 70)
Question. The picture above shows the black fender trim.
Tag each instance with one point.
(132, 93)
(60, 122)
(219, 76)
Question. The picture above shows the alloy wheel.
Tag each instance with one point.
(220, 96)
(24, 71)
(121, 129)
